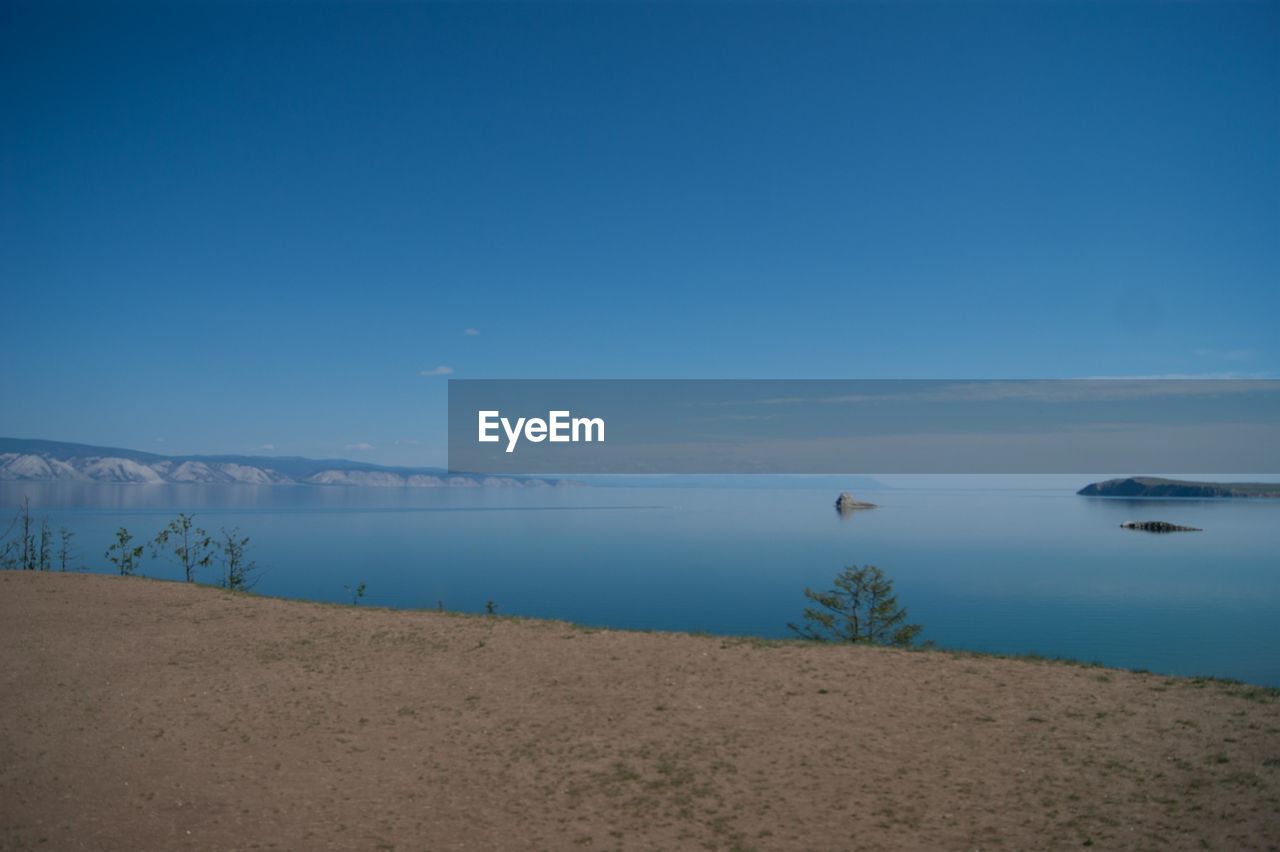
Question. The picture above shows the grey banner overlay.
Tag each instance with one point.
(1209, 426)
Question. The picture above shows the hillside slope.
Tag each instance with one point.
(139, 714)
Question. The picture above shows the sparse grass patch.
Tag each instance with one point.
(622, 773)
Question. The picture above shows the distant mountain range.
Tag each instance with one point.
(40, 461)
(1153, 486)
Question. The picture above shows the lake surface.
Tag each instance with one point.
(1004, 570)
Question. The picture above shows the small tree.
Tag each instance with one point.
(28, 545)
(123, 554)
(44, 555)
(861, 608)
(9, 549)
(27, 552)
(192, 547)
(65, 555)
(236, 567)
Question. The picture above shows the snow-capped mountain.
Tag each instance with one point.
(39, 461)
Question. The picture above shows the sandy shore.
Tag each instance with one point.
(138, 715)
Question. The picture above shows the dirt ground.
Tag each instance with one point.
(138, 715)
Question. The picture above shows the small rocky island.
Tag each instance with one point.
(1157, 527)
(845, 503)
(1154, 486)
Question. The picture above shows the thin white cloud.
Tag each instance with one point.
(265, 447)
(359, 447)
(1230, 376)
(471, 332)
(1226, 354)
(1042, 390)
(442, 370)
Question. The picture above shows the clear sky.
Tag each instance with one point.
(239, 228)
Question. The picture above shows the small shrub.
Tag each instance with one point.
(191, 546)
(238, 570)
(123, 554)
(861, 608)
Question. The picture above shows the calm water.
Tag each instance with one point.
(1012, 571)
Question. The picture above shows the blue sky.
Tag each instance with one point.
(230, 227)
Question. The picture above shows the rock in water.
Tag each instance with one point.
(846, 503)
(1157, 527)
